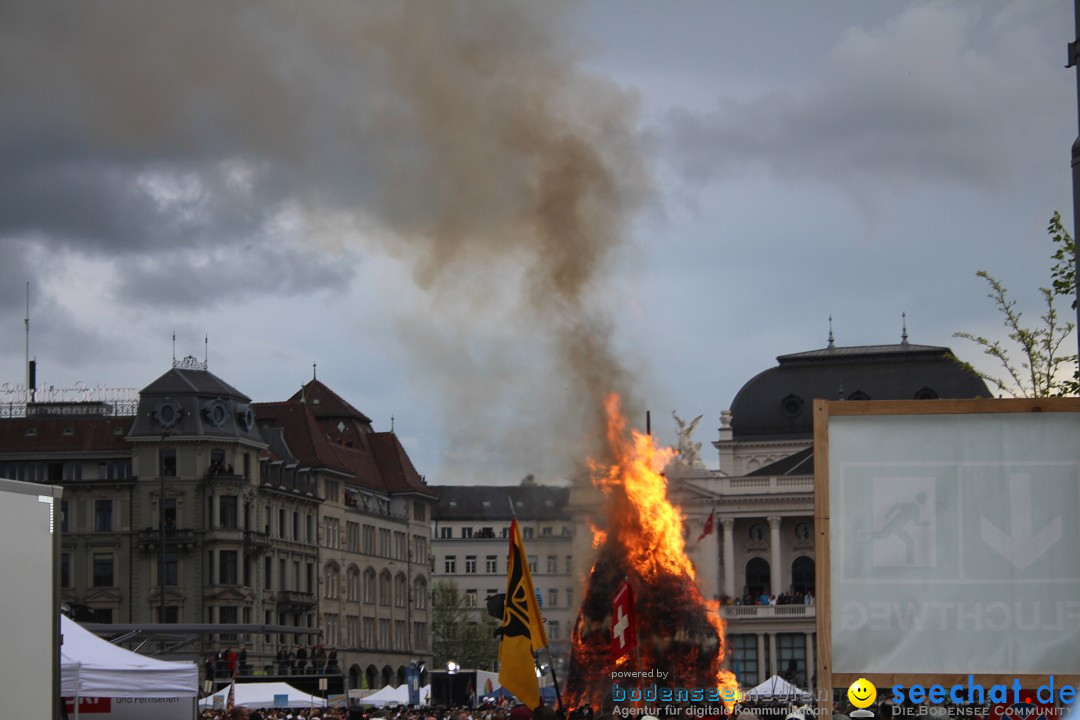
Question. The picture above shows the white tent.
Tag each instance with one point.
(262, 695)
(777, 688)
(390, 695)
(93, 667)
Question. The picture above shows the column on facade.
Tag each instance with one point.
(708, 570)
(729, 557)
(761, 675)
(772, 655)
(774, 555)
(811, 666)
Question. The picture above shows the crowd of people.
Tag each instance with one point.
(797, 598)
(298, 660)
(485, 712)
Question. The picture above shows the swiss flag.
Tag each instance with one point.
(623, 622)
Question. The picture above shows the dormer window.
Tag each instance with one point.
(791, 406)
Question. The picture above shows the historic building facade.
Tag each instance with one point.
(762, 544)
(206, 508)
(470, 536)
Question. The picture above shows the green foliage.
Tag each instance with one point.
(1041, 370)
(461, 631)
(1064, 271)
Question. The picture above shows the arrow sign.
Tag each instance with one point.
(1020, 548)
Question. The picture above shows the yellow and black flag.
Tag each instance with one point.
(522, 627)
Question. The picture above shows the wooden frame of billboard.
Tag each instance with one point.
(823, 410)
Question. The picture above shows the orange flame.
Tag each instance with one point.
(643, 542)
(634, 478)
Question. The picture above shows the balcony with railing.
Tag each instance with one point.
(765, 485)
(296, 598)
(175, 538)
(757, 612)
(256, 542)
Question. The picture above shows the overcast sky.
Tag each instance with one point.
(479, 218)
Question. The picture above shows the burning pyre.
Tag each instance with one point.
(680, 633)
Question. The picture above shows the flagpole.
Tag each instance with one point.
(537, 636)
(551, 661)
(554, 679)
(637, 650)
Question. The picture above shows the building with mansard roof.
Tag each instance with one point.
(763, 493)
(206, 508)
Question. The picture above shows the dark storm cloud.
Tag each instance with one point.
(914, 101)
(198, 145)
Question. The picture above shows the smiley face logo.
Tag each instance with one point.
(862, 693)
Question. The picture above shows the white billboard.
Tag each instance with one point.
(29, 664)
(954, 543)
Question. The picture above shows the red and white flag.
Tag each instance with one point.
(708, 529)
(623, 622)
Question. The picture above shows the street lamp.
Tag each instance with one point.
(452, 667)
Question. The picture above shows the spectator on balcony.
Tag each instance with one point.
(331, 662)
(242, 659)
(301, 660)
(282, 661)
(318, 659)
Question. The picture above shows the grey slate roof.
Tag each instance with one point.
(800, 463)
(490, 502)
(188, 399)
(779, 401)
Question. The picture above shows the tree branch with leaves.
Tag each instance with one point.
(1032, 359)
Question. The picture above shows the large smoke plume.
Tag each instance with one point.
(463, 138)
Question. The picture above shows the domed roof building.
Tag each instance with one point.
(753, 517)
(772, 415)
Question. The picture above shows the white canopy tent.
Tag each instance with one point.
(93, 667)
(262, 695)
(777, 688)
(390, 695)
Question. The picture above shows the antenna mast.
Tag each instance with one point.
(27, 321)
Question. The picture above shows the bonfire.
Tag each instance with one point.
(681, 635)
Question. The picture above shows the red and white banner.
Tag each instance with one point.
(118, 708)
(623, 622)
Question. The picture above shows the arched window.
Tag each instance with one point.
(757, 577)
(352, 584)
(387, 675)
(802, 575)
(333, 581)
(401, 591)
(369, 587)
(372, 674)
(420, 592)
(385, 588)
